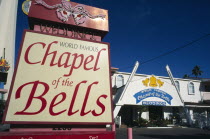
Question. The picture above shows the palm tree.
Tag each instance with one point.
(186, 76)
(196, 71)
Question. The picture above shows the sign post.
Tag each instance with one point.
(173, 82)
(118, 102)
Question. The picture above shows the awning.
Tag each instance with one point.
(205, 80)
(191, 104)
(197, 106)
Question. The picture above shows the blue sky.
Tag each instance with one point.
(143, 29)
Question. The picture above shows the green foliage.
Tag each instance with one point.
(186, 76)
(140, 122)
(197, 71)
(152, 123)
(158, 123)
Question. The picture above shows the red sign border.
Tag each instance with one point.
(55, 135)
(14, 76)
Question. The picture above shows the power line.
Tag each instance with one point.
(176, 49)
(169, 52)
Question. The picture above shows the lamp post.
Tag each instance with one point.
(138, 115)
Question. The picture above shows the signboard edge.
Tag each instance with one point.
(14, 75)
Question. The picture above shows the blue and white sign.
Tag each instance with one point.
(154, 103)
(153, 93)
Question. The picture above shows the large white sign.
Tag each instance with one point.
(60, 80)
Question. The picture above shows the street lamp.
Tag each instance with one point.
(138, 115)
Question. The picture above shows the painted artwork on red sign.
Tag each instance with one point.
(64, 11)
(70, 13)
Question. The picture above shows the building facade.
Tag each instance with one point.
(155, 98)
(8, 14)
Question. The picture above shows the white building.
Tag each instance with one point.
(155, 98)
(8, 14)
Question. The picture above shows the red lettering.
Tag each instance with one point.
(73, 66)
(78, 60)
(53, 104)
(101, 105)
(27, 52)
(65, 64)
(70, 112)
(82, 113)
(58, 99)
(47, 53)
(88, 60)
(31, 97)
(99, 53)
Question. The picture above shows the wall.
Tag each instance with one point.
(185, 93)
(8, 13)
(136, 85)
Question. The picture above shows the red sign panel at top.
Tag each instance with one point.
(70, 13)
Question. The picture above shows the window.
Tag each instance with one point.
(191, 88)
(119, 81)
(177, 85)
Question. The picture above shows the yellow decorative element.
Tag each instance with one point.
(2, 62)
(145, 82)
(152, 82)
(4, 65)
(160, 83)
(26, 6)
